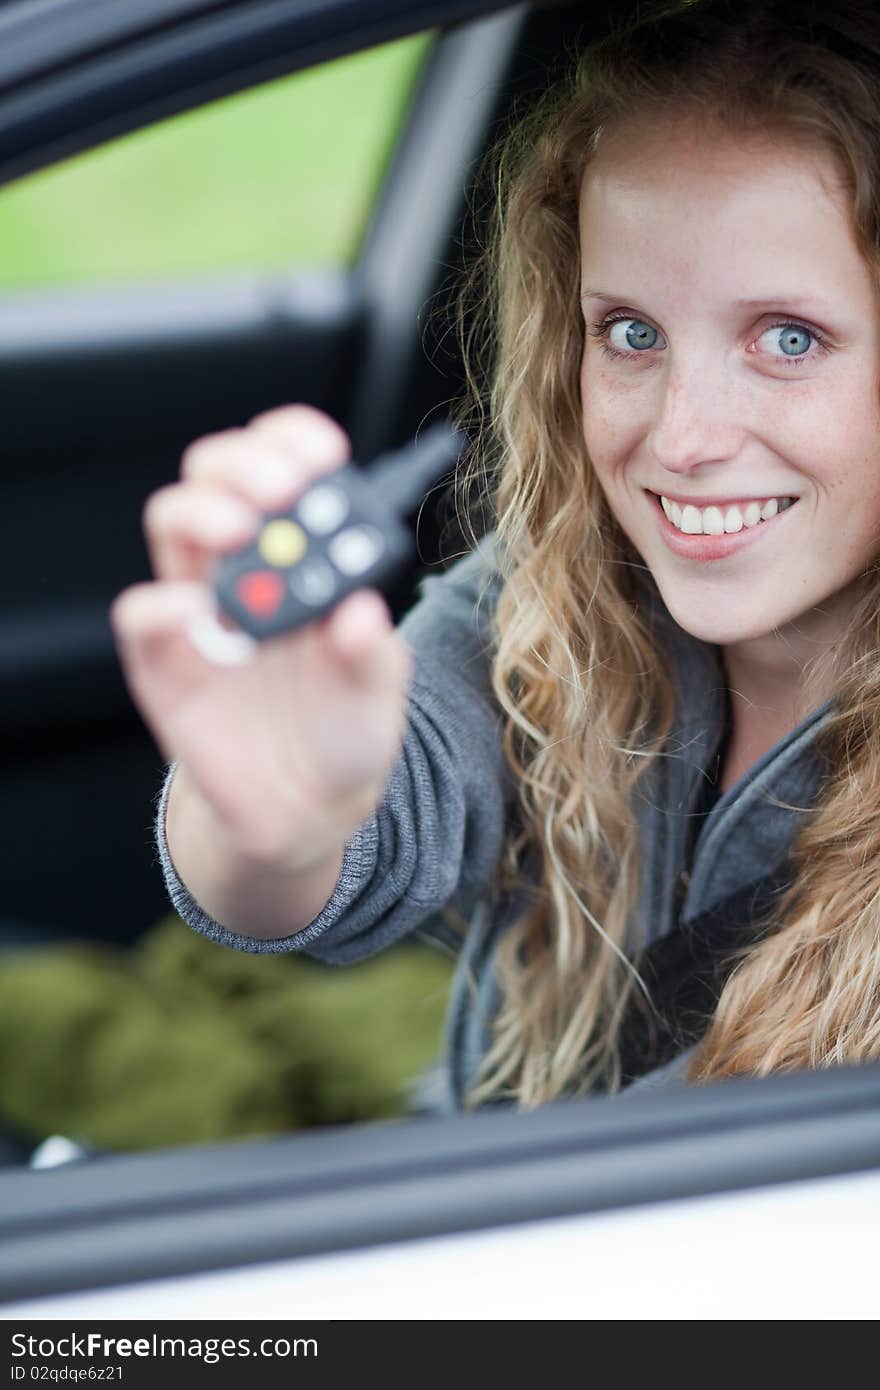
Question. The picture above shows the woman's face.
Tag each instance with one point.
(746, 337)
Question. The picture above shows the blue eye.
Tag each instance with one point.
(639, 335)
(794, 340)
(789, 343)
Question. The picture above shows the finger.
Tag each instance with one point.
(187, 527)
(311, 444)
(363, 640)
(245, 465)
(305, 432)
(271, 462)
(161, 667)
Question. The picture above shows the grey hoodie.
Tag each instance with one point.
(436, 839)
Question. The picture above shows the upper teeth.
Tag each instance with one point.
(715, 521)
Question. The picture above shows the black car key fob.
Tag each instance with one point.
(345, 532)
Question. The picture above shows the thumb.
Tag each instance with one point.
(363, 641)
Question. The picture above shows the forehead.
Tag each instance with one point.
(717, 209)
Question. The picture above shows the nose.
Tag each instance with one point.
(695, 423)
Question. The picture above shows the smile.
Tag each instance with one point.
(723, 518)
(717, 529)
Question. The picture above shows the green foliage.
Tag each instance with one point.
(178, 1040)
(282, 175)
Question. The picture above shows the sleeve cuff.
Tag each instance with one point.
(358, 865)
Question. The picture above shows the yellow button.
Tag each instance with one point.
(282, 543)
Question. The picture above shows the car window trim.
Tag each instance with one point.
(39, 36)
(129, 1218)
(81, 98)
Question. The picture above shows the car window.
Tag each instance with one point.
(118, 1016)
(283, 174)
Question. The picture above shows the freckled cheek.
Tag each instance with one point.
(610, 422)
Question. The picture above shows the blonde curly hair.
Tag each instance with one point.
(587, 700)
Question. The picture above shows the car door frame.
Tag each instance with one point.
(127, 1219)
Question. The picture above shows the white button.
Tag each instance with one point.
(356, 548)
(312, 582)
(322, 509)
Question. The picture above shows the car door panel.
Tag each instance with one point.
(214, 1207)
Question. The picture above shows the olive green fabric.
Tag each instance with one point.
(178, 1040)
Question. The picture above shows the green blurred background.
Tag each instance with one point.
(280, 176)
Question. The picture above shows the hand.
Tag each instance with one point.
(292, 750)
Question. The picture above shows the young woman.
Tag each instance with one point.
(633, 739)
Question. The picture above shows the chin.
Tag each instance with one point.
(722, 630)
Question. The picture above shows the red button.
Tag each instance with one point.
(261, 592)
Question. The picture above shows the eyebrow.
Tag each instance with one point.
(782, 301)
(776, 301)
(600, 294)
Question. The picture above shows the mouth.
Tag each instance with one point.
(714, 530)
